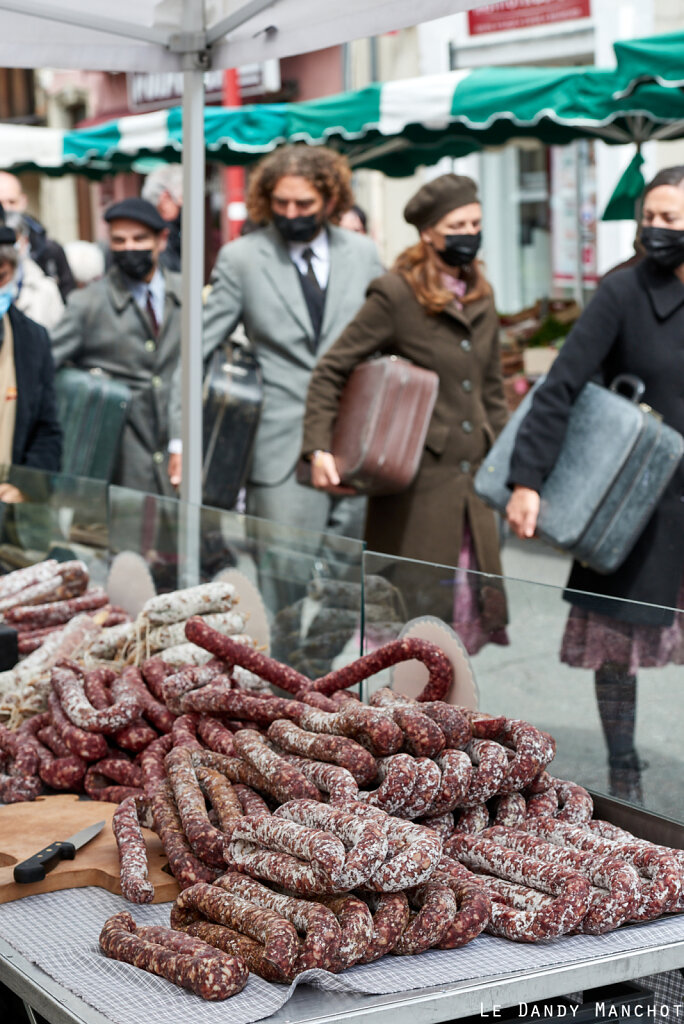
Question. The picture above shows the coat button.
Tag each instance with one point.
(156, 382)
(150, 345)
(466, 344)
(467, 386)
(464, 466)
(467, 427)
(158, 458)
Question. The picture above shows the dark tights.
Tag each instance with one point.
(616, 698)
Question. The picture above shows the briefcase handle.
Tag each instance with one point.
(629, 386)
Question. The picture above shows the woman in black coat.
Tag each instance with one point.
(634, 325)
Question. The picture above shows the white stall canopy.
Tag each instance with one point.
(191, 36)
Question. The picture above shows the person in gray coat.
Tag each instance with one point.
(295, 284)
(128, 324)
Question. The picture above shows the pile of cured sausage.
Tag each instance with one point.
(55, 612)
(320, 832)
(316, 831)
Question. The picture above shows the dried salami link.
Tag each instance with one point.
(571, 890)
(56, 613)
(474, 905)
(616, 884)
(185, 867)
(19, 749)
(69, 687)
(232, 942)
(511, 810)
(364, 839)
(356, 923)
(323, 853)
(205, 599)
(320, 701)
(19, 579)
(90, 746)
(490, 768)
(288, 783)
(96, 685)
(131, 684)
(97, 788)
(390, 919)
(218, 699)
(412, 854)
(119, 769)
(154, 672)
(338, 750)
(27, 643)
(425, 790)
(514, 908)
(370, 726)
(179, 942)
(534, 750)
(215, 735)
(437, 910)
(456, 776)
(540, 805)
(233, 768)
(541, 783)
(214, 977)
(204, 838)
(19, 780)
(288, 872)
(250, 801)
(398, 776)
(406, 649)
(662, 880)
(221, 795)
(225, 648)
(16, 789)
(338, 783)
(278, 936)
(318, 924)
(184, 732)
(130, 842)
(453, 723)
(574, 802)
(52, 739)
(620, 835)
(422, 736)
(152, 764)
(136, 736)
(484, 726)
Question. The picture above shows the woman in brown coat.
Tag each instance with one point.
(436, 309)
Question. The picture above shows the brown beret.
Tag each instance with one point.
(439, 197)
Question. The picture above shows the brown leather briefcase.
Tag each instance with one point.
(381, 426)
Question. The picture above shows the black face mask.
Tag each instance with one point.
(297, 229)
(459, 250)
(135, 263)
(665, 246)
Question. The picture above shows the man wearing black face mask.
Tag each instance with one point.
(295, 283)
(634, 325)
(127, 324)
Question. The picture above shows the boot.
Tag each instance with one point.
(616, 700)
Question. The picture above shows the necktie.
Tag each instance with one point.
(151, 313)
(307, 256)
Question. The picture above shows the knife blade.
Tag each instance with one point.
(35, 868)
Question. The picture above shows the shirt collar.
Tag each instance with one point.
(139, 289)
(319, 245)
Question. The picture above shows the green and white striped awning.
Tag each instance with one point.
(391, 126)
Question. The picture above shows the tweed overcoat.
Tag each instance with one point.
(425, 521)
(634, 325)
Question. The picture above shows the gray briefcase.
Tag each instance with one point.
(616, 460)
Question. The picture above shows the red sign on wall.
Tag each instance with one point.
(524, 13)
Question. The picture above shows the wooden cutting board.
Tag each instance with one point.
(26, 828)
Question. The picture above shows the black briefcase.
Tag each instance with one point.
(92, 410)
(233, 396)
(617, 459)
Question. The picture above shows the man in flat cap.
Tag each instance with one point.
(127, 324)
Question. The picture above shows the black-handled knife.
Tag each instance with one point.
(35, 868)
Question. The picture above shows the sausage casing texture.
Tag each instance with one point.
(204, 838)
(278, 936)
(185, 867)
(406, 649)
(390, 918)
(135, 884)
(364, 838)
(287, 781)
(213, 976)
(321, 747)
(69, 687)
(437, 909)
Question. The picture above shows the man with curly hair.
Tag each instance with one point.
(295, 283)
